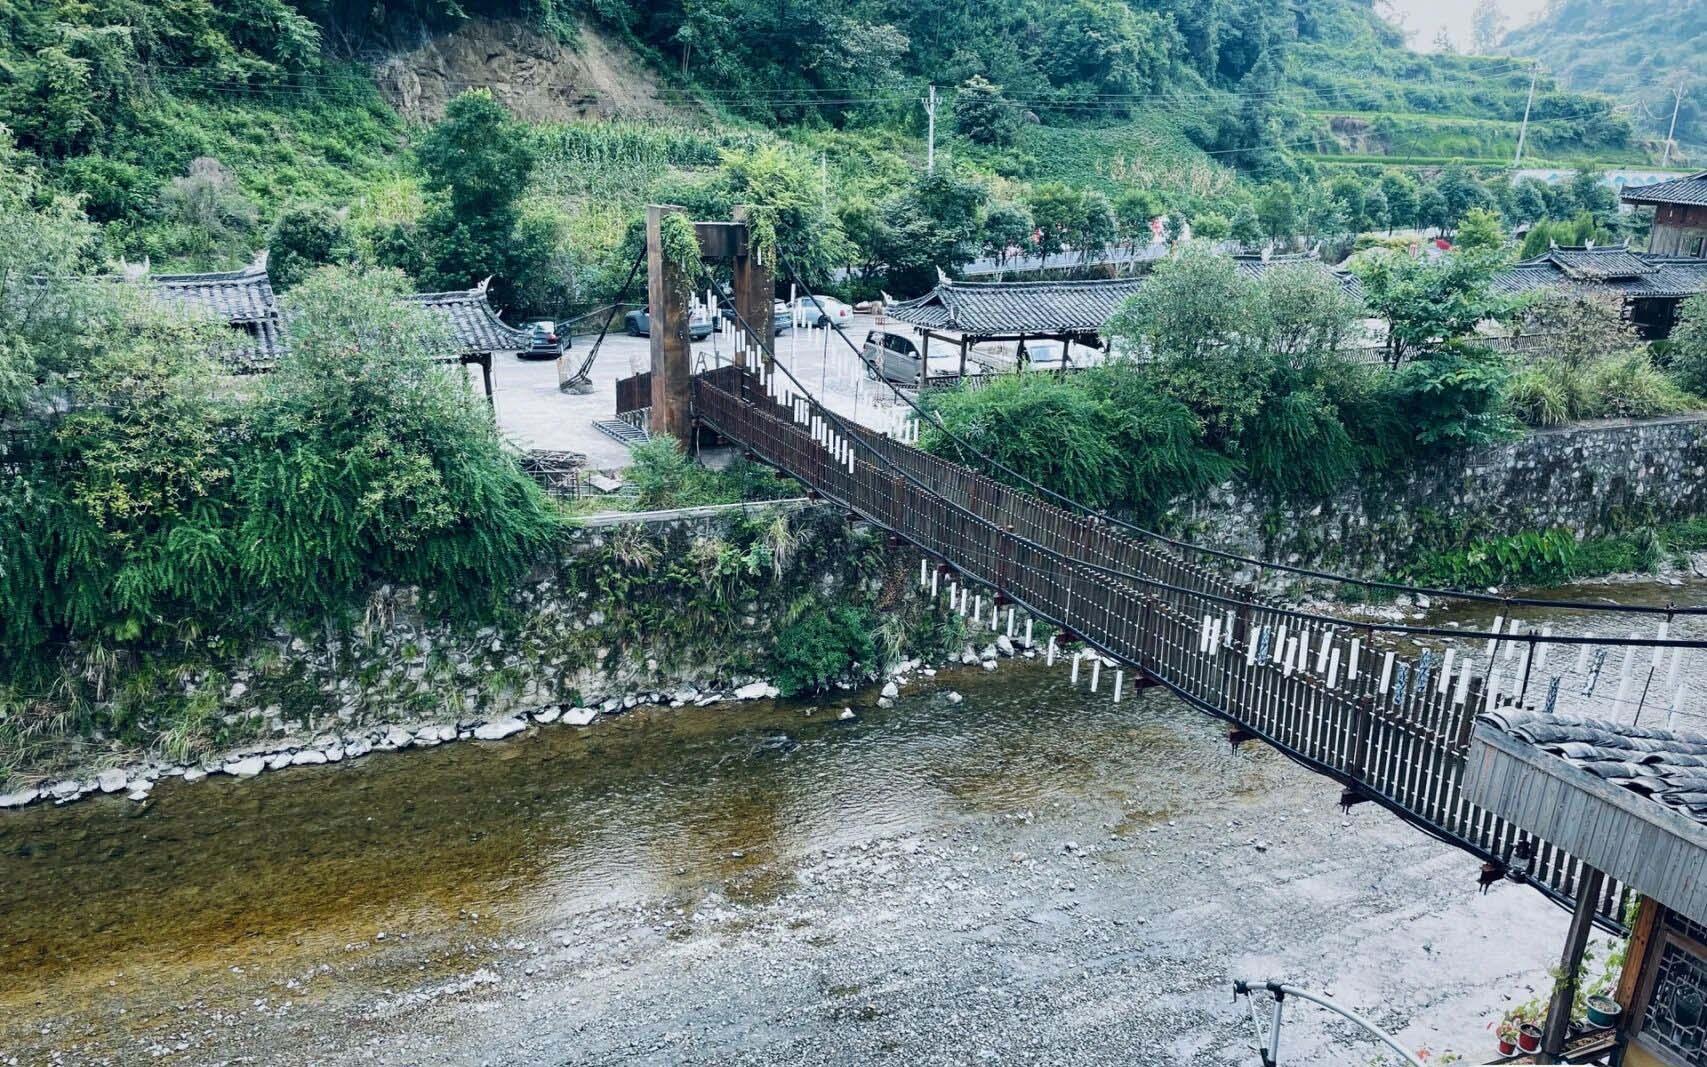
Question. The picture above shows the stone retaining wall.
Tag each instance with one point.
(1595, 479)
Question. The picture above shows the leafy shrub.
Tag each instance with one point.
(1528, 558)
(1454, 398)
(1630, 386)
(825, 645)
(1687, 352)
(664, 476)
(1106, 437)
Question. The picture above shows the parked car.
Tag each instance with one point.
(824, 311)
(893, 356)
(545, 342)
(639, 324)
(780, 318)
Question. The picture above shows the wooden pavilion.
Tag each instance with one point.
(244, 301)
(965, 314)
(1630, 802)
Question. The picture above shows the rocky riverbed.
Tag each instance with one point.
(1028, 875)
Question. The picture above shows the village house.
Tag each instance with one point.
(1680, 214)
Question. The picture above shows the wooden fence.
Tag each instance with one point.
(1325, 694)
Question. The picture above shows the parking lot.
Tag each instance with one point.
(534, 414)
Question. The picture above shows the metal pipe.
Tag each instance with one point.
(1281, 991)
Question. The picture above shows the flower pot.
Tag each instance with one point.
(1506, 1047)
(1603, 1011)
(1529, 1037)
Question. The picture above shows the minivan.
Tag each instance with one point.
(894, 356)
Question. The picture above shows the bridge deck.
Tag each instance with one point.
(1316, 691)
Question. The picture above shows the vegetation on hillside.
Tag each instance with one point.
(147, 504)
(1637, 51)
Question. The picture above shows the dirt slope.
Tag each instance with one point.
(539, 78)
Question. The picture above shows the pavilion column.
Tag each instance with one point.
(1576, 941)
(668, 290)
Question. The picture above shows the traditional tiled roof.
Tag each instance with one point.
(1613, 270)
(1689, 192)
(995, 308)
(244, 300)
(472, 321)
(1666, 766)
(1007, 308)
(1255, 266)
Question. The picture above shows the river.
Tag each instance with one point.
(1035, 874)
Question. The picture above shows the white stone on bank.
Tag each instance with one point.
(243, 768)
(498, 729)
(111, 780)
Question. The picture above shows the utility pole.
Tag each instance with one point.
(1671, 133)
(1523, 132)
(930, 121)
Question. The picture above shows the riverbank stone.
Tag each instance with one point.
(499, 729)
(20, 798)
(248, 767)
(111, 781)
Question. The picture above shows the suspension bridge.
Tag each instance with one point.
(1346, 699)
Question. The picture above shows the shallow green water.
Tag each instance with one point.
(295, 865)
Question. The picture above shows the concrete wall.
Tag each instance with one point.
(1594, 479)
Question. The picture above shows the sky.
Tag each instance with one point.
(1425, 18)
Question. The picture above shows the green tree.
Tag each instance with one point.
(1459, 191)
(1247, 227)
(1480, 231)
(1403, 199)
(1059, 211)
(1590, 193)
(1008, 227)
(304, 237)
(1688, 358)
(476, 163)
(1377, 215)
(982, 114)
(1277, 211)
(371, 461)
(1427, 302)
(1134, 207)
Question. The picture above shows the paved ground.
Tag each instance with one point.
(534, 414)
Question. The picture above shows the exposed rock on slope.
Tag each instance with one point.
(539, 78)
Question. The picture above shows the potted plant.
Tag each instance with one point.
(1505, 1030)
(1603, 1010)
(1529, 1037)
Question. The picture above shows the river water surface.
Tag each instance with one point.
(336, 885)
(162, 899)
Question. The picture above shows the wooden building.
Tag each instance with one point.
(1680, 214)
(1630, 802)
(244, 301)
(963, 314)
(1648, 288)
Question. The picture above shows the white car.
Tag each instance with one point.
(822, 311)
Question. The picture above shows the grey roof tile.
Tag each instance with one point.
(244, 300)
(1668, 766)
(1002, 308)
(1614, 270)
(1689, 192)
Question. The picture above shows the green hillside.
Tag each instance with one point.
(1636, 51)
(196, 131)
(1372, 97)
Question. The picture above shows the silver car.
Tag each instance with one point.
(893, 356)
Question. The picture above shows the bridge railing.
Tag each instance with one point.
(1324, 693)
